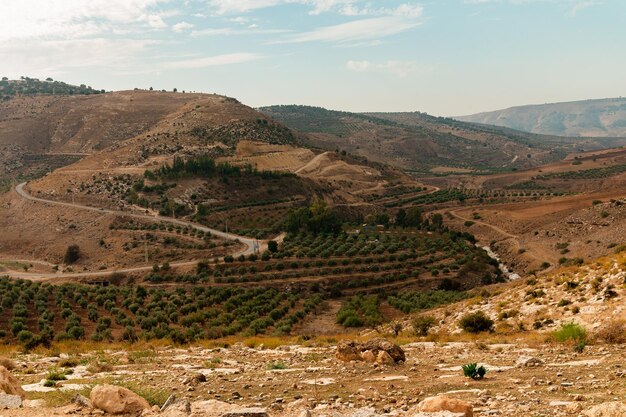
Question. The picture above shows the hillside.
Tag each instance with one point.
(422, 143)
(588, 118)
(39, 133)
(259, 172)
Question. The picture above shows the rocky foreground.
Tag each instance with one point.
(352, 380)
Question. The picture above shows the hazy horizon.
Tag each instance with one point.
(447, 58)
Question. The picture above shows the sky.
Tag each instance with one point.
(443, 57)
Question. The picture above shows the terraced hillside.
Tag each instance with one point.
(273, 293)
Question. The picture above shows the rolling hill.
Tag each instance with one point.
(255, 172)
(588, 118)
(422, 143)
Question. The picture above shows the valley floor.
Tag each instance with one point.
(289, 379)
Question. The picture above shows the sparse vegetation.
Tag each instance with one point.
(422, 324)
(472, 370)
(477, 322)
(72, 254)
(359, 311)
(572, 333)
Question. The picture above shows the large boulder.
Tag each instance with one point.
(443, 404)
(117, 400)
(10, 385)
(612, 409)
(355, 351)
(348, 351)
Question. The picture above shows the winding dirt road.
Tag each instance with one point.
(252, 245)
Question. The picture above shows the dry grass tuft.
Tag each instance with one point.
(8, 363)
(613, 332)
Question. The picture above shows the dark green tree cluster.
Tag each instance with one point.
(316, 219)
(204, 166)
(409, 218)
(72, 254)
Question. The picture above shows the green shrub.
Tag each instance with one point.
(422, 324)
(476, 323)
(472, 370)
(571, 333)
(72, 254)
(56, 375)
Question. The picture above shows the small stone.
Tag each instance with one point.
(81, 401)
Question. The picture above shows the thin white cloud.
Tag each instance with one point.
(345, 7)
(55, 57)
(582, 5)
(182, 27)
(213, 61)
(403, 10)
(358, 30)
(28, 19)
(359, 66)
(250, 30)
(323, 6)
(575, 5)
(395, 67)
(241, 6)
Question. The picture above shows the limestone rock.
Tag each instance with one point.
(178, 408)
(612, 409)
(442, 403)
(348, 351)
(10, 401)
(368, 356)
(574, 408)
(384, 358)
(395, 351)
(214, 408)
(365, 412)
(528, 361)
(247, 412)
(355, 351)
(81, 401)
(10, 385)
(117, 400)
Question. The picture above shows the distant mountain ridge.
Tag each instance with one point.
(418, 142)
(590, 118)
